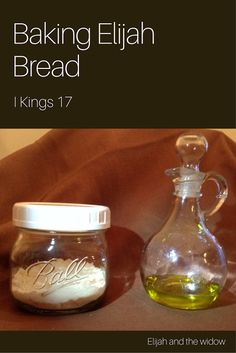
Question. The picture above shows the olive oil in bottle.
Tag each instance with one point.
(182, 292)
(183, 265)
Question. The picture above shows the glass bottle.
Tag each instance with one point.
(183, 265)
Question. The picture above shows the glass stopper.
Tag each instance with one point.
(191, 148)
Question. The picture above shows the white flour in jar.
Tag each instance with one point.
(59, 284)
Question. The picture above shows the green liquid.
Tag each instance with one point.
(181, 292)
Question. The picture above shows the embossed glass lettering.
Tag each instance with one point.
(48, 276)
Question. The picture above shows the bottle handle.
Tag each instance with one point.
(222, 192)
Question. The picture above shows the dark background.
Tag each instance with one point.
(187, 79)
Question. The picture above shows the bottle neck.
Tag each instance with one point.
(186, 210)
(188, 187)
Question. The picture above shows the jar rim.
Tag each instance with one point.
(67, 217)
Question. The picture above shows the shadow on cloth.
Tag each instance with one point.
(124, 248)
(228, 295)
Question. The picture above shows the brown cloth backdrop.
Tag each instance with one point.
(123, 169)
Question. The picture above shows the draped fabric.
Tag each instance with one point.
(122, 169)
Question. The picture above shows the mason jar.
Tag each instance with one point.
(59, 260)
